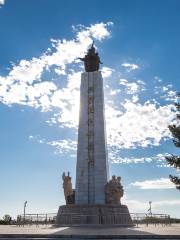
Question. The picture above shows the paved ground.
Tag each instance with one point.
(95, 230)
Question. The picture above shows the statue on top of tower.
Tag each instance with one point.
(91, 60)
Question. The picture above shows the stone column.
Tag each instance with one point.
(92, 166)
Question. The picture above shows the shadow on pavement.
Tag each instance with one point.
(99, 230)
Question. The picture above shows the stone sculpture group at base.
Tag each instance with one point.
(112, 212)
(113, 190)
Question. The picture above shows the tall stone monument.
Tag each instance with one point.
(96, 199)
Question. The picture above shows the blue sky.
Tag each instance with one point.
(138, 42)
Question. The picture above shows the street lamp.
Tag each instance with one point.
(150, 208)
(25, 204)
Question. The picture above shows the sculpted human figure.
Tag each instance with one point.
(91, 60)
(114, 191)
(69, 193)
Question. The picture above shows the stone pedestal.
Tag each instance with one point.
(94, 215)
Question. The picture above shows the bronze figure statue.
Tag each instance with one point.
(91, 60)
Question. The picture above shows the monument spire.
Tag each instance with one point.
(92, 167)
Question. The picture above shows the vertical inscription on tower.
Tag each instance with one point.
(91, 140)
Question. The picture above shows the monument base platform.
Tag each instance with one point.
(94, 214)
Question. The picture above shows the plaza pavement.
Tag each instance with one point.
(90, 230)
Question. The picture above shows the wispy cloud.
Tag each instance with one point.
(69, 146)
(130, 66)
(132, 87)
(64, 146)
(161, 183)
(165, 92)
(114, 157)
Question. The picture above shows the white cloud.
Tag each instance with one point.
(64, 146)
(135, 98)
(171, 96)
(138, 124)
(27, 71)
(162, 183)
(166, 92)
(123, 81)
(167, 202)
(158, 79)
(2, 2)
(114, 157)
(160, 206)
(132, 87)
(67, 100)
(36, 95)
(114, 91)
(106, 72)
(37, 138)
(129, 125)
(99, 31)
(23, 83)
(130, 66)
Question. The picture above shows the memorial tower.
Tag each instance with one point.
(92, 170)
(95, 199)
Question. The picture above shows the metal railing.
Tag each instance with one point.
(137, 218)
(36, 218)
(142, 218)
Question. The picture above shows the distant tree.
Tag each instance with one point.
(173, 160)
(7, 218)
